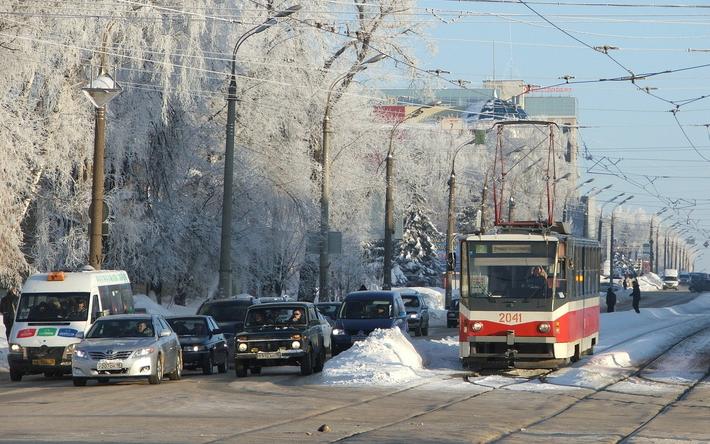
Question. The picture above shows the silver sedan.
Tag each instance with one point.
(127, 346)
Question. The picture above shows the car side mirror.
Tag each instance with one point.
(164, 333)
(79, 335)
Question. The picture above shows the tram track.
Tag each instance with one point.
(604, 388)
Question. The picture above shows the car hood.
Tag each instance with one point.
(366, 325)
(270, 332)
(193, 340)
(115, 343)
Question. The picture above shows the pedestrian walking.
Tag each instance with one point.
(8, 308)
(625, 282)
(610, 300)
(636, 295)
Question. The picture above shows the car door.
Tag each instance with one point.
(424, 315)
(220, 342)
(315, 329)
(169, 344)
(327, 330)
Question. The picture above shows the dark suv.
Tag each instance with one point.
(286, 333)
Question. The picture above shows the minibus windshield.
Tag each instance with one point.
(48, 307)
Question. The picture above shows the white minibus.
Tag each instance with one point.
(53, 308)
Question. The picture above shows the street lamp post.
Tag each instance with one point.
(389, 197)
(324, 256)
(225, 254)
(100, 91)
(450, 255)
(601, 215)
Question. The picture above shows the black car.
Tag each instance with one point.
(329, 310)
(202, 341)
(229, 313)
(452, 314)
(285, 333)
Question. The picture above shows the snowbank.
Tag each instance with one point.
(386, 357)
(650, 282)
(435, 298)
(440, 354)
(150, 306)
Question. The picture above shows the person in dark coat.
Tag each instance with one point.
(8, 308)
(625, 282)
(636, 295)
(610, 300)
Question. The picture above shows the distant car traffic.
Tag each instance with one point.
(203, 343)
(329, 310)
(452, 314)
(127, 346)
(364, 311)
(417, 312)
(278, 334)
(229, 313)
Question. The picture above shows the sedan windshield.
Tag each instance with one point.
(189, 326)
(122, 328)
(45, 307)
(366, 309)
(259, 317)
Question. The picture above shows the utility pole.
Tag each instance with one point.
(225, 246)
(650, 249)
(484, 193)
(658, 258)
(611, 248)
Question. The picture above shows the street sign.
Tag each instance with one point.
(647, 249)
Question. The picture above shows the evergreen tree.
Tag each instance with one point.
(417, 258)
(468, 219)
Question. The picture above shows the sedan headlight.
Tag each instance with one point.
(143, 352)
(80, 354)
(15, 348)
(242, 347)
(338, 331)
(194, 348)
(413, 316)
(295, 345)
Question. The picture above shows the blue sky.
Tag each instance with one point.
(620, 124)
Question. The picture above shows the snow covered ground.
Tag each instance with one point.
(627, 339)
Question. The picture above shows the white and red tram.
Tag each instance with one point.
(510, 315)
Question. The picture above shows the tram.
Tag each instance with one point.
(529, 289)
(529, 297)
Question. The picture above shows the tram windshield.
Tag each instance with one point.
(510, 269)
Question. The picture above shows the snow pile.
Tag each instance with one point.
(435, 298)
(386, 357)
(146, 303)
(650, 282)
(439, 353)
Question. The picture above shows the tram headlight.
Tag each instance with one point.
(477, 326)
(543, 327)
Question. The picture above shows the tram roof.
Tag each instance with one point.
(514, 237)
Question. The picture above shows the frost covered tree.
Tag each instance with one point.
(417, 258)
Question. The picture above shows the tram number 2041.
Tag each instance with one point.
(508, 318)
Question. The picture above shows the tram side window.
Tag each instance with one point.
(562, 276)
(464, 269)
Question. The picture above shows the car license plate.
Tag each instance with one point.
(109, 365)
(268, 355)
(44, 361)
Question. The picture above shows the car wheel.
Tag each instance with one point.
(103, 380)
(450, 324)
(49, 374)
(307, 363)
(208, 365)
(425, 330)
(321, 360)
(15, 375)
(255, 370)
(418, 331)
(157, 377)
(240, 369)
(176, 375)
(79, 382)
(222, 368)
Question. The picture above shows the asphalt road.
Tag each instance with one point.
(281, 406)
